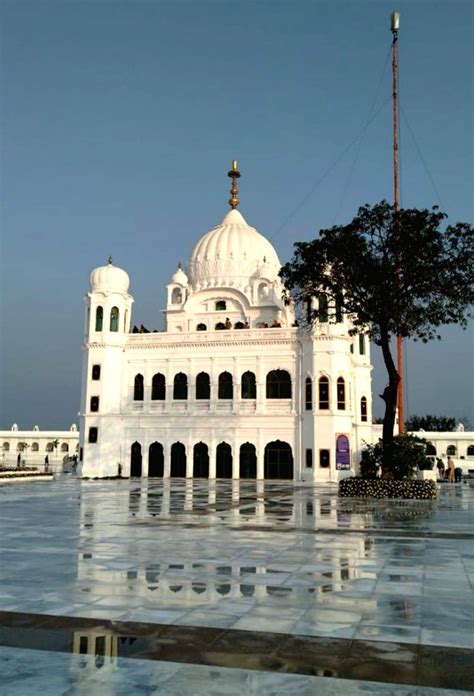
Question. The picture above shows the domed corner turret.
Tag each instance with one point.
(108, 302)
(109, 278)
(177, 288)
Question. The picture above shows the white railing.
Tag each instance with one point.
(206, 337)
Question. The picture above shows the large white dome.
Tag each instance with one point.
(231, 254)
(109, 278)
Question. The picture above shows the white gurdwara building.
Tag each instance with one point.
(232, 388)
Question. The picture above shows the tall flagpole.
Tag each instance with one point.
(394, 27)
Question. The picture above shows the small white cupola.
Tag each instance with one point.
(108, 302)
(177, 288)
(109, 278)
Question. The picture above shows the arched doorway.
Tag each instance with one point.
(223, 460)
(178, 460)
(201, 461)
(136, 460)
(156, 460)
(248, 461)
(278, 463)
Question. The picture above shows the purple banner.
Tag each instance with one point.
(343, 452)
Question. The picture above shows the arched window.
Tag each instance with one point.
(6, 447)
(64, 447)
(470, 451)
(363, 409)
(158, 387)
(203, 386)
(176, 296)
(341, 394)
(99, 318)
(94, 405)
(324, 458)
(114, 319)
(430, 449)
(35, 447)
(221, 306)
(226, 389)
(180, 386)
(138, 390)
(239, 325)
(361, 344)
(201, 327)
(323, 393)
(451, 450)
(220, 326)
(249, 386)
(93, 435)
(278, 385)
(322, 307)
(309, 394)
(50, 447)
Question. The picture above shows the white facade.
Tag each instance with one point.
(458, 444)
(35, 445)
(232, 387)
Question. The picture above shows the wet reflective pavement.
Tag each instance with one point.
(234, 583)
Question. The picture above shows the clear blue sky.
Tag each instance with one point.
(119, 123)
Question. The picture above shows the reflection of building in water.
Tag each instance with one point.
(100, 645)
(232, 388)
(178, 577)
(94, 660)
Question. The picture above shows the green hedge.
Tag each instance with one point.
(357, 487)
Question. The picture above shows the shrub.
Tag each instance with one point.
(358, 487)
(370, 462)
(399, 459)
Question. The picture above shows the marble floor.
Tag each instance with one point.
(386, 587)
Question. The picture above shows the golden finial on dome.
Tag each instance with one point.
(234, 174)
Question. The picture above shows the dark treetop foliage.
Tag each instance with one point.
(394, 272)
(431, 423)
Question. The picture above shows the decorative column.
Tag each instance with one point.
(166, 457)
(212, 457)
(237, 387)
(189, 458)
(260, 378)
(169, 387)
(260, 456)
(235, 457)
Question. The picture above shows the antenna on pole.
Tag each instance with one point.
(394, 28)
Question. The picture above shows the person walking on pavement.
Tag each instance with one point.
(450, 470)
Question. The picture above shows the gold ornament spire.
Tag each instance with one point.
(234, 174)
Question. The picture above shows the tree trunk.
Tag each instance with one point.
(390, 397)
